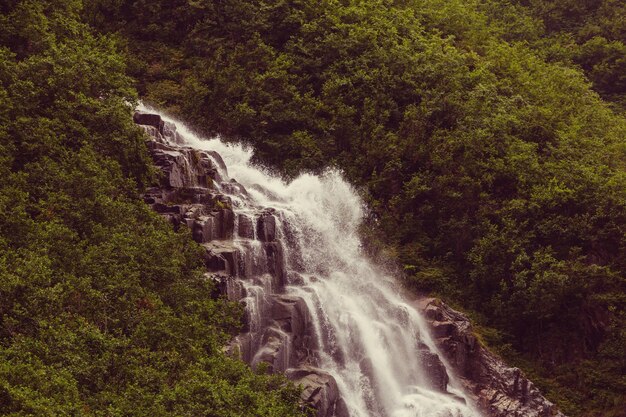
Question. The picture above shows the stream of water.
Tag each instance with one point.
(367, 335)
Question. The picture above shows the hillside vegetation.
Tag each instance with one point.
(487, 137)
(103, 308)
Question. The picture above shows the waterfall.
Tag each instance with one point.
(313, 298)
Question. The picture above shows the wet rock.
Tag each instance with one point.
(372, 384)
(207, 169)
(285, 340)
(245, 227)
(181, 167)
(205, 229)
(341, 409)
(319, 390)
(268, 355)
(240, 347)
(292, 315)
(153, 133)
(433, 313)
(266, 192)
(498, 390)
(170, 134)
(275, 351)
(221, 257)
(197, 196)
(435, 370)
(194, 211)
(232, 187)
(367, 367)
(185, 195)
(253, 260)
(266, 227)
(226, 223)
(275, 264)
(294, 278)
(175, 219)
(157, 142)
(167, 208)
(215, 262)
(175, 168)
(441, 329)
(217, 158)
(234, 289)
(149, 119)
(226, 285)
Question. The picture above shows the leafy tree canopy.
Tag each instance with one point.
(479, 132)
(92, 322)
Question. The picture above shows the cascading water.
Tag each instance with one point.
(360, 328)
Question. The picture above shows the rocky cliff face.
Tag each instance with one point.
(245, 255)
(499, 390)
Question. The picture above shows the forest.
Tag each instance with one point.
(487, 138)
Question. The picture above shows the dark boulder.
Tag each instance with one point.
(167, 208)
(154, 134)
(204, 229)
(232, 187)
(217, 158)
(221, 257)
(435, 370)
(275, 351)
(266, 227)
(441, 329)
(276, 265)
(320, 390)
(149, 119)
(170, 134)
(245, 228)
(341, 409)
(226, 223)
(497, 389)
(294, 278)
(183, 167)
(292, 315)
(226, 285)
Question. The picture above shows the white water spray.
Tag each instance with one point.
(368, 337)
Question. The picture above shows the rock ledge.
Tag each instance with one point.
(497, 389)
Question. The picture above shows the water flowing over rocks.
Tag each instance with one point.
(317, 310)
(499, 390)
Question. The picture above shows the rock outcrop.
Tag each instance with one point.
(320, 391)
(497, 389)
(243, 256)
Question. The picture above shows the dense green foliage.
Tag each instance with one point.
(103, 307)
(494, 173)
(592, 34)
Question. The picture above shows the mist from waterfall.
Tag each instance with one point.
(368, 336)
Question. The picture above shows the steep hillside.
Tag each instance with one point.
(487, 138)
(103, 307)
(493, 171)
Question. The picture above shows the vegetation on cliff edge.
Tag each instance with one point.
(488, 138)
(103, 307)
